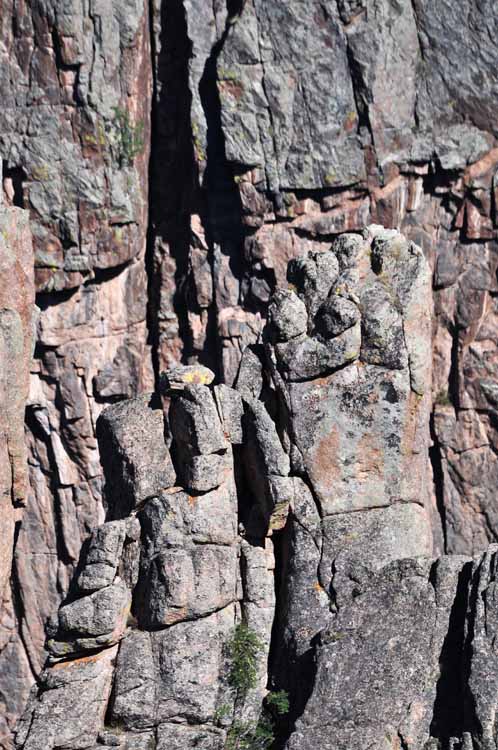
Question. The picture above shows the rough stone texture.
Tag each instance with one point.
(103, 556)
(17, 318)
(77, 689)
(377, 643)
(362, 430)
(136, 460)
(64, 69)
(274, 127)
(93, 621)
(377, 664)
(480, 630)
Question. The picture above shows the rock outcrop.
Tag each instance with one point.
(17, 321)
(76, 88)
(299, 505)
(271, 128)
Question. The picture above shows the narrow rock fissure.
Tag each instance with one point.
(19, 606)
(171, 162)
(220, 204)
(438, 479)
(17, 176)
(37, 432)
(448, 714)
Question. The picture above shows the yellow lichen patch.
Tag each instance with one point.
(279, 516)
(40, 173)
(349, 537)
(350, 121)
(197, 377)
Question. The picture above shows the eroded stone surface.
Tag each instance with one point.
(411, 117)
(360, 422)
(137, 461)
(378, 660)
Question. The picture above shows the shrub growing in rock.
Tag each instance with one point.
(258, 735)
(247, 735)
(243, 649)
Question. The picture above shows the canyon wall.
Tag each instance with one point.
(277, 539)
(173, 158)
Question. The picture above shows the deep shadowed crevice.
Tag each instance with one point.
(35, 430)
(44, 300)
(17, 176)
(438, 479)
(175, 194)
(221, 207)
(453, 377)
(448, 716)
(17, 601)
(286, 670)
(172, 173)
(439, 181)
(101, 275)
(223, 200)
(469, 711)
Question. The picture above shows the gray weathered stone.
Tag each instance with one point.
(287, 316)
(136, 460)
(102, 557)
(134, 696)
(231, 409)
(190, 655)
(179, 377)
(181, 737)
(378, 661)
(205, 472)
(92, 621)
(70, 708)
(195, 424)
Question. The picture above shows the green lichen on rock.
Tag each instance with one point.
(127, 137)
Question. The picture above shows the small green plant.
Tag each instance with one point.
(258, 735)
(243, 649)
(443, 398)
(221, 713)
(279, 700)
(249, 735)
(128, 137)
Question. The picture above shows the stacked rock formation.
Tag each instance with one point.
(272, 127)
(74, 143)
(299, 504)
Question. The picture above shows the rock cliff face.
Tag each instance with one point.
(179, 160)
(17, 320)
(298, 506)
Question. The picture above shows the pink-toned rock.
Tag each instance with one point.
(17, 312)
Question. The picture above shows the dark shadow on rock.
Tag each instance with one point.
(448, 716)
(172, 169)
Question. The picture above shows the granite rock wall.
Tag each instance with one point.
(174, 157)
